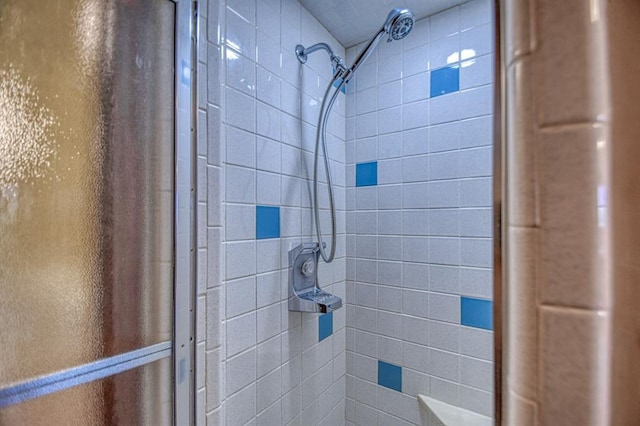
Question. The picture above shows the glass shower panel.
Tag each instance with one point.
(86, 181)
(141, 396)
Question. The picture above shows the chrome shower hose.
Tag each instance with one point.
(321, 135)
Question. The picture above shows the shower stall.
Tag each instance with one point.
(146, 233)
(396, 178)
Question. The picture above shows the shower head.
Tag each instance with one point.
(398, 24)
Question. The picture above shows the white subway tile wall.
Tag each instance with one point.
(410, 243)
(256, 361)
(421, 238)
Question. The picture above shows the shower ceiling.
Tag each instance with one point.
(354, 21)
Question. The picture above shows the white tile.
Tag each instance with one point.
(476, 373)
(476, 102)
(240, 371)
(476, 282)
(241, 333)
(415, 303)
(476, 192)
(241, 407)
(366, 222)
(445, 391)
(415, 168)
(268, 355)
(415, 142)
(366, 125)
(270, 416)
(389, 146)
(419, 35)
(416, 114)
(415, 356)
(414, 196)
(390, 94)
(289, 98)
(390, 324)
(366, 149)
(444, 307)
(444, 279)
(415, 87)
(415, 330)
(476, 223)
(477, 72)
(389, 172)
(268, 18)
(476, 132)
(444, 251)
(444, 365)
(476, 252)
(390, 299)
(241, 72)
(240, 296)
(241, 110)
(476, 343)
(240, 185)
(241, 147)
(415, 249)
(445, 194)
(445, 165)
(366, 101)
(268, 288)
(241, 222)
(444, 222)
(475, 13)
(444, 336)
(447, 108)
(416, 60)
(241, 34)
(268, 87)
(415, 275)
(478, 40)
(268, 121)
(268, 322)
(390, 69)
(444, 52)
(390, 120)
(240, 258)
(415, 222)
(389, 273)
(445, 23)
(268, 189)
(477, 400)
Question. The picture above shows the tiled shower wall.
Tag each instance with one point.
(263, 364)
(558, 310)
(419, 220)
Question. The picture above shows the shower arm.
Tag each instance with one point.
(336, 61)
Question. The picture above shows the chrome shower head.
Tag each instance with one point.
(399, 23)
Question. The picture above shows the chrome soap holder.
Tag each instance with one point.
(305, 295)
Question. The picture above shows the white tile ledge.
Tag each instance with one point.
(449, 415)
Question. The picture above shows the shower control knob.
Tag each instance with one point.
(308, 267)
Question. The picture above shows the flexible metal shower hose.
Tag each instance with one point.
(321, 134)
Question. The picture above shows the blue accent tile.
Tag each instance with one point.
(445, 80)
(267, 222)
(367, 174)
(476, 313)
(325, 326)
(390, 376)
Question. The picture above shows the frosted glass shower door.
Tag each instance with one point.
(87, 113)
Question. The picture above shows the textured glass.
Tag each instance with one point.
(86, 181)
(141, 396)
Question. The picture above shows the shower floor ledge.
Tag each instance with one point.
(449, 415)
